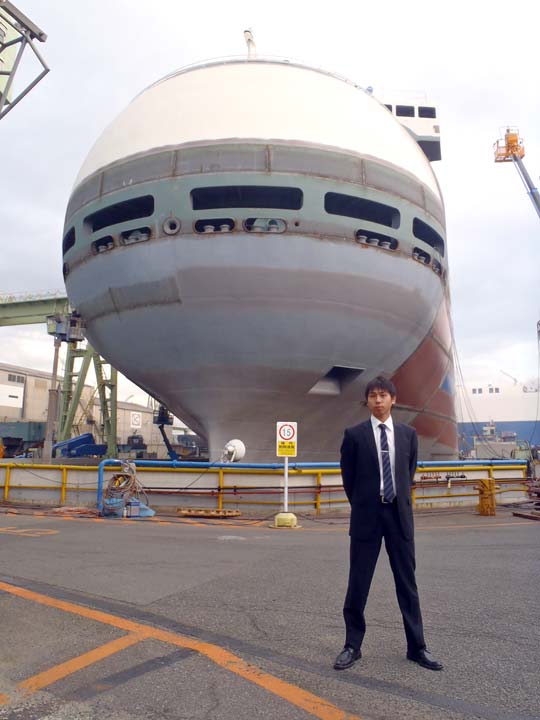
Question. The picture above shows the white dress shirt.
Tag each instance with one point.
(391, 447)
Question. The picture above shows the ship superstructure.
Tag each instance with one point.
(498, 407)
(253, 240)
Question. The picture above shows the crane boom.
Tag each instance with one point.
(511, 149)
(531, 189)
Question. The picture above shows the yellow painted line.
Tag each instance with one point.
(189, 521)
(28, 532)
(478, 526)
(48, 677)
(316, 706)
(88, 613)
(71, 518)
(221, 526)
(293, 694)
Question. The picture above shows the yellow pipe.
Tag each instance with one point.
(52, 487)
(492, 493)
(318, 495)
(35, 466)
(63, 490)
(6, 483)
(331, 501)
(220, 491)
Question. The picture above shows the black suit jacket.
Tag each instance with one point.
(362, 480)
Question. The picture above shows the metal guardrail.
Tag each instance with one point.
(320, 488)
(236, 468)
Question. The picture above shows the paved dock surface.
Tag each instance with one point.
(233, 620)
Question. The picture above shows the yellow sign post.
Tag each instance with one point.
(286, 447)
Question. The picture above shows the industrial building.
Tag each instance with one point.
(24, 394)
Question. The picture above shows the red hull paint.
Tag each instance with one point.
(419, 382)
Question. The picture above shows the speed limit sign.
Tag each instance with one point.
(286, 439)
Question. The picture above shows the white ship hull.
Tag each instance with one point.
(235, 329)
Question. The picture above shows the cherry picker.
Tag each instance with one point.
(511, 149)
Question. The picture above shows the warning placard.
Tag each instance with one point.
(136, 420)
(286, 439)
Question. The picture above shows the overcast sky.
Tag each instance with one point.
(477, 61)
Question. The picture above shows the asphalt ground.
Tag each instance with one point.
(234, 620)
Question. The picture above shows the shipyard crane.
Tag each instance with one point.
(17, 32)
(511, 149)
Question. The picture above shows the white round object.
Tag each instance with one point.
(235, 450)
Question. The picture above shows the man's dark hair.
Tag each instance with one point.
(381, 383)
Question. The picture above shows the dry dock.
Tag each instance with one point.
(231, 619)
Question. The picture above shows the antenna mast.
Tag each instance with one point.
(250, 42)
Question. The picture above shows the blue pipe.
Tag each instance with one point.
(273, 466)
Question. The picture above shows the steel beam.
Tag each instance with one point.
(30, 312)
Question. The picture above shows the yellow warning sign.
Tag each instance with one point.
(286, 448)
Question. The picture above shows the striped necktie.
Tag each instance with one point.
(388, 487)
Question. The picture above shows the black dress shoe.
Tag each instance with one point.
(425, 659)
(347, 657)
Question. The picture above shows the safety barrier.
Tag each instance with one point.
(312, 486)
(503, 477)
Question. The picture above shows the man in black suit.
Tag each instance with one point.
(378, 462)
